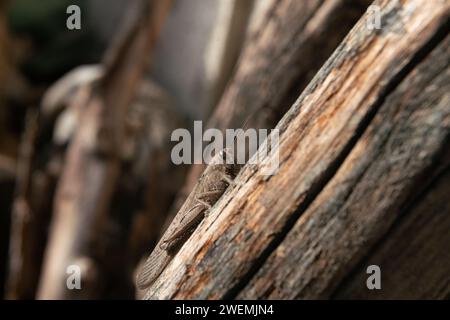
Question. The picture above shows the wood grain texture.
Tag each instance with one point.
(93, 160)
(280, 56)
(414, 258)
(247, 240)
(392, 162)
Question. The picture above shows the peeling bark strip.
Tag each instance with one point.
(255, 225)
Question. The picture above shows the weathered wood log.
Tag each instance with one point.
(369, 133)
(281, 54)
(29, 221)
(93, 161)
(414, 257)
(401, 152)
(39, 168)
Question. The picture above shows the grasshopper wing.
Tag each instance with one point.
(153, 267)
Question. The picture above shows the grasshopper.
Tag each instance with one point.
(210, 187)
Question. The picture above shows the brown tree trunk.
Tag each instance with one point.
(363, 158)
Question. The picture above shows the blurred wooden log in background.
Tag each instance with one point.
(12, 89)
(362, 150)
(85, 194)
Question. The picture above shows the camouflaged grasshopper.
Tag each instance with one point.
(210, 187)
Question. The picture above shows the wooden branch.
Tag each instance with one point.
(279, 59)
(25, 222)
(92, 167)
(399, 154)
(354, 150)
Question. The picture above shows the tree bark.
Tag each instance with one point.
(365, 139)
(283, 51)
(414, 256)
